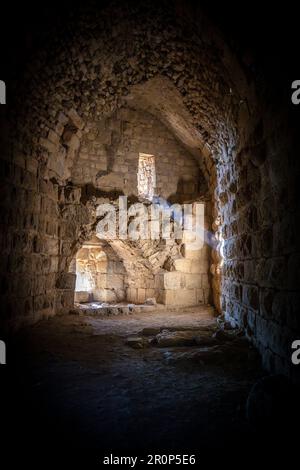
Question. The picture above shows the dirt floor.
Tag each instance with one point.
(162, 381)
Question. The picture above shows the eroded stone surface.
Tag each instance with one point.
(70, 107)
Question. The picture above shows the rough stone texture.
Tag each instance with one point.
(102, 275)
(259, 280)
(108, 157)
(245, 147)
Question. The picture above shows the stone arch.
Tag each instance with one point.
(204, 92)
(100, 273)
(213, 88)
(91, 69)
(204, 96)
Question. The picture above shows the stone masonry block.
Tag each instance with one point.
(173, 280)
(179, 297)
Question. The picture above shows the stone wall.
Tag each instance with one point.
(216, 108)
(30, 243)
(260, 275)
(109, 154)
(173, 271)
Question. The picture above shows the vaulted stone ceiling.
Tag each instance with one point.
(130, 54)
(160, 97)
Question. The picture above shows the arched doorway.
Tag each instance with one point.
(100, 274)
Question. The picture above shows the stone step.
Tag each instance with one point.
(98, 309)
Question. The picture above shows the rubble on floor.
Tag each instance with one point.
(100, 380)
(106, 309)
(168, 338)
(205, 345)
